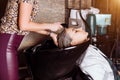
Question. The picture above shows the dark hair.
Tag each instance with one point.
(63, 39)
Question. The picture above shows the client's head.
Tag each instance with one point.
(70, 37)
(63, 39)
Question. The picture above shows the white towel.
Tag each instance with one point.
(95, 65)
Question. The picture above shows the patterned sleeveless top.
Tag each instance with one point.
(9, 20)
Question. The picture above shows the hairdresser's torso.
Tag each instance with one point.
(9, 22)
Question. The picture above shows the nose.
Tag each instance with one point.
(85, 33)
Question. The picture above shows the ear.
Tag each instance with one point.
(54, 37)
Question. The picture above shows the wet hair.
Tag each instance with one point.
(63, 39)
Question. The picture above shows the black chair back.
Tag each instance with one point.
(48, 62)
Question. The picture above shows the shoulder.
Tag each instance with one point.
(28, 1)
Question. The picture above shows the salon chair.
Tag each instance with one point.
(48, 62)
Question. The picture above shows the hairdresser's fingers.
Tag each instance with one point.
(54, 37)
(56, 26)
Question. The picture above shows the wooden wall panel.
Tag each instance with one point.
(76, 4)
(101, 4)
(112, 7)
(117, 13)
(113, 10)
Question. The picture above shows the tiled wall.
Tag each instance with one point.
(51, 11)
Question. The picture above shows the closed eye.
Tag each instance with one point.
(75, 30)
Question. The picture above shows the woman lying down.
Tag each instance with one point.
(92, 62)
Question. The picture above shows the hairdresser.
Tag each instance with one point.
(17, 22)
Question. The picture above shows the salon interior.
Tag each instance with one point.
(103, 20)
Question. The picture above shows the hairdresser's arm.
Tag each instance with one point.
(26, 24)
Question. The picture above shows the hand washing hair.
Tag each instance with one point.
(67, 37)
(63, 39)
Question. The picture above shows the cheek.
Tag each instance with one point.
(79, 38)
(82, 36)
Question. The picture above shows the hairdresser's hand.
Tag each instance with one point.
(54, 37)
(55, 27)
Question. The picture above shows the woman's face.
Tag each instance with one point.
(78, 35)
